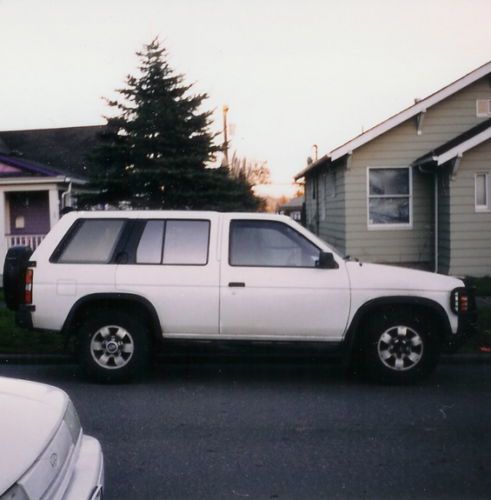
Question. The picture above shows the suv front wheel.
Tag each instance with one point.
(113, 346)
(402, 346)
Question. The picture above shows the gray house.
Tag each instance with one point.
(415, 189)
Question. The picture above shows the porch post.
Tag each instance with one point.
(3, 238)
(54, 207)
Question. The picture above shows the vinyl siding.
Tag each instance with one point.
(470, 247)
(327, 218)
(346, 226)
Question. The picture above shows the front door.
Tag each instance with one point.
(270, 285)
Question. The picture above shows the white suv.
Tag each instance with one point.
(120, 280)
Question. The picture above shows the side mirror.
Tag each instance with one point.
(326, 261)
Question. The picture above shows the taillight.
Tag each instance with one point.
(461, 301)
(28, 287)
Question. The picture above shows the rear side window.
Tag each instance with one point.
(186, 242)
(93, 241)
(174, 242)
(149, 249)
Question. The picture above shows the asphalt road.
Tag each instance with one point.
(218, 429)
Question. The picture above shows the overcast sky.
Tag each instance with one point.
(293, 72)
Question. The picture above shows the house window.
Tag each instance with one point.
(483, 107)
(331, 184)
(389, 198)
(481, 192)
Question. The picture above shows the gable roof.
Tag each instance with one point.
(410, 112)
(296, 202)
(17, 167)
(63, 149)
(458, 145)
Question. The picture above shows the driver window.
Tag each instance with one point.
(269, 244)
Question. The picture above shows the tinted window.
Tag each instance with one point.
(149, 249)
(93, 241)
(269, 244)
(186, 242)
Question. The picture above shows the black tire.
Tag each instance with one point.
(113, 346)
(14, 270)
(402, 346)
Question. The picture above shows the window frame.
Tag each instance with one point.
(486, 207)
(384, 227)
(265, 266)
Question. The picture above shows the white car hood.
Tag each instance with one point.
(30, 414)
(398, 279)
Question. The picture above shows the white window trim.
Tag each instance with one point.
(486, 207)
(388, 227)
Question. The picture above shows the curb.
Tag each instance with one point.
(66, 359)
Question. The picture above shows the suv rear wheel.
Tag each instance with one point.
(402, 346)
(113, 346)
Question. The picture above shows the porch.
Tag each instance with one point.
(31, 240)
(29, 212)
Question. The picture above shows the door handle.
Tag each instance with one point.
(237, 284)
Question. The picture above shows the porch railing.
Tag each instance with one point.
(32, 240)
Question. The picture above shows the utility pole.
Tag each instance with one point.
(225, 136)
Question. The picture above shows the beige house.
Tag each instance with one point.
(416, 188)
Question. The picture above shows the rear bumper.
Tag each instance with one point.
(87, 481)
(23, 317)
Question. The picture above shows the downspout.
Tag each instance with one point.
(436, 219)
(421, 168)
(66, 193)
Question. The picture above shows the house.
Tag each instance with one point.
(415, 189)
(293, 208)
(41, 172)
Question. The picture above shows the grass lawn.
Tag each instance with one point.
(482, 285)
(17, 340)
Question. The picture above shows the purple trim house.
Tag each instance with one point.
(33, 192)
(31, 198)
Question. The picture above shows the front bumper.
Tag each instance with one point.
(87, 481)
(467, 327)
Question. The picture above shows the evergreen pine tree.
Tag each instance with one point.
(154, 152)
